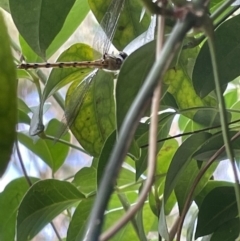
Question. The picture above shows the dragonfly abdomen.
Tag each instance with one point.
(100, 64)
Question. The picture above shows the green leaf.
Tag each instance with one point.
(134, 151)
(10, 199)
(23, 112)
(104, 156)
(131, 78)
(208, 188)
(231, 97)
(52, 154)
(213, 3)
(23, 106)
(129, 24)
(5, 5)
(28, 52)
(209, 148)
(218, 207)
(115, 212)
(86, 180)
(139, 224)
(165, 156)
(188, 102)
(206, 238)
(127, 178)
(40, 21)
(91, 108)
(23, 117)
(191, 226)
(235, 114)
(208, 116)
(43, 202)
(79, 219)
(164, 159)
(186, 180)
(227, 58)
(172, 200)
(21, 73)
(228, 231)
(190, 127)
(181, 158)
(75, 17)
(63, 76)
(183, 122)
(146, 222)
(154, 203)
(168, 101)
(162, 224)
(8, 98)
(164, 124)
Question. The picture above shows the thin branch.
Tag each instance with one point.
(195, 183)
(30, 183)
(22, 164)
(153, 8)
(126, 205)
(190, 133)
(221, 9)
(151, 153)
(52, 138)
(196, 41)
(130, 124)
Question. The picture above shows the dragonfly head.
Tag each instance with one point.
(123, 55)
(114, 62)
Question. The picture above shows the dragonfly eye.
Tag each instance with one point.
(123, 55)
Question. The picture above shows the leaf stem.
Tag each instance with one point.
(48, 137)
(56, 96)
(222, 109)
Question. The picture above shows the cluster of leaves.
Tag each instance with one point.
(189, 92)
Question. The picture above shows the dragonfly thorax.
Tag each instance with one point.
(114, 62)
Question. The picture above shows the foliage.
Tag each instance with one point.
(96, 105)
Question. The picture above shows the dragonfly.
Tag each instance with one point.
(109, 62)
(102, 41)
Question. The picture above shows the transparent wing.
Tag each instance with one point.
(142, 39)
(101, 42)
(103, 37)
(74, 104)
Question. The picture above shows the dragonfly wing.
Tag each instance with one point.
(96, 117)
(104, 36)
(142, 39)
(75, 101)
